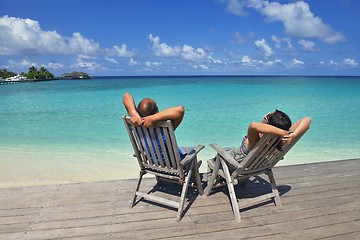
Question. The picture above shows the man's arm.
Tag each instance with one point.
(175, 114)
(129, 104)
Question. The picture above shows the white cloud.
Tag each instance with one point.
(307, 45)
(264, 47)
(80, 44)
(350, 62)
(201, 66)
(18, 36)
(296, 62)
(296, 17)
(245, 59)
(236, 7)
(189, 53)
(24, 65)
(215, 61)
(25, 36)
(123, 52)
(238, 38)
(153, 64)
(27, 63)
(55, 65)
(276, 40)
(132, 62)
(111, 60)
(86, 62)
(288, 42)
(162, 49)
(346, 63)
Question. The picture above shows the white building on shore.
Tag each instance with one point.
(16, 78)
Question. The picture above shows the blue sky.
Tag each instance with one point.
(181, 37)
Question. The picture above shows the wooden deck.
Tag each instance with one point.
(320, 201)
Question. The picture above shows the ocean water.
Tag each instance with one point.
(71, 131)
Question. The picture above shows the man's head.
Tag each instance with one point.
(147, 107)
(280, 119)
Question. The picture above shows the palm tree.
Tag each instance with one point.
(32, 69)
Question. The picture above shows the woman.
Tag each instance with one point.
(276, 123)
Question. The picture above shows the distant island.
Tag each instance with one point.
(35, 74)
(76, 75)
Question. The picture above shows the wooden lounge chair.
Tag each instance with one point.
(260, 160)
(157, 153)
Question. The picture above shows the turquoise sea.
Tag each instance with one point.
(71, 130)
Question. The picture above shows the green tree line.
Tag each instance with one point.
(42, 73)
(4, 73)
(33, 73)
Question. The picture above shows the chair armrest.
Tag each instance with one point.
(225, 156)
(192, 154)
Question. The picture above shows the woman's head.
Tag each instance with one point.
(279, 119)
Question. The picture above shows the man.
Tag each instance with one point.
(147, 113)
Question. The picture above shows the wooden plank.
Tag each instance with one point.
(319, 201)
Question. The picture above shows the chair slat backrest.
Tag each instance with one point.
(264, 155)
(155, 147)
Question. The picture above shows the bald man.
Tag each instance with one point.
(147, 112)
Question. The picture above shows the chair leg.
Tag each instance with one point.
(274, 188)
(183, 194)
(132, 203)
(197, 178)
(158, 180)
(210, 183)
(230, 185)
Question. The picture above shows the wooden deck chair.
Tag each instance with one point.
(157, 153)
(260, 160)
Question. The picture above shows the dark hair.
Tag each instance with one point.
(280, 119)
(147, 107)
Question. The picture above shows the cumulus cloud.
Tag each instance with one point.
(345, 63)
(278, 42)
(307, 45)
(264, 47)
(296, 62)
(297, 18)
(25, 36)
(162, 49)
(187, 52)
(245, 59)
(153, 64)
(111, 60)
(132, 62)
(350, 62)
(236, 7)
(201, 66)
(123, 52)
(18, 35)
(86, 62)
(55, 65)
(238, 38)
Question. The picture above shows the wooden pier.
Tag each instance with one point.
(320, 201)
(3, 82)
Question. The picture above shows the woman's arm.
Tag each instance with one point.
(175, 114)
(297, 129)
(256, 128)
